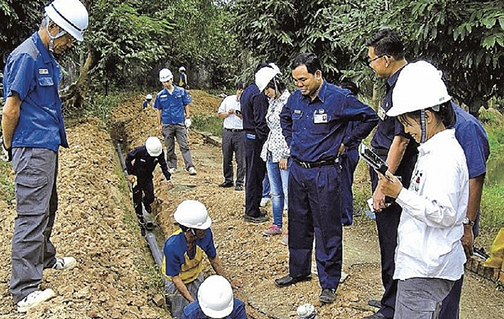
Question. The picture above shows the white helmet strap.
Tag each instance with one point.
(52, 38)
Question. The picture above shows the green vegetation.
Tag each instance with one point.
(207, 123)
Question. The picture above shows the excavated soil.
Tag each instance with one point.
(116, 276)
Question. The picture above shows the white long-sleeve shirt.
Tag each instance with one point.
(434, 208)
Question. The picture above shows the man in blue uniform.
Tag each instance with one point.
(254, 106)
(391, 143)
(33, 130)
(172, 104)
(314, 122)
(215, 300)
(474, 141)
(140, 163)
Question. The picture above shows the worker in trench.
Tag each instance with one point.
(140, 163)
(183, 256)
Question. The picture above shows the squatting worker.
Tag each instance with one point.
(140, 164)
(172, 104)
(394, 145)
(183, 255)
(232, 139)
(429, 256)
(215, 301)
(33, 130)
(314, 121)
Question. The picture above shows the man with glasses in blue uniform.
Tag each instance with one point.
(314, 123)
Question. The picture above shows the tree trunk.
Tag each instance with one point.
(75, 96)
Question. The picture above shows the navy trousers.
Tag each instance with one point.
(256, 169)
(349, 162)
(315, 209)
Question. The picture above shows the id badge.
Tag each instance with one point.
(381, 113)
(319, 117)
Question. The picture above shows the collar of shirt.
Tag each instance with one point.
(432, 143)
(47, 57)
(320, 94)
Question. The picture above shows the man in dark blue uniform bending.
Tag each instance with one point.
(314, 122)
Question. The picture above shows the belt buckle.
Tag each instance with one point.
(305, 165)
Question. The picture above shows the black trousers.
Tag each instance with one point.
(232, 142)
(144, 187)
(256, 168)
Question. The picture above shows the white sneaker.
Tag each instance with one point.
(65, 263)
(172, 170)
(34, 299)
(264, 201)
(191, 170)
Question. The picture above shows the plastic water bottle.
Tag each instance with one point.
(307, 311)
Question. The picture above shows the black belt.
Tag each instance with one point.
(380, 151)
(317, 163)
(233, 129)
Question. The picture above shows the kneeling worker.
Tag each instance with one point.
(215, 301)
(183, 255)
(145, 157)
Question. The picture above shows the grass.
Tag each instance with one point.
(207, 123)
(6, 182)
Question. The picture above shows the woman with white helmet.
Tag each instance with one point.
(275, 151)
(215, 301)
(183, 255)
(429, 256)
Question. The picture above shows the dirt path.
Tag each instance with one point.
(116, 277)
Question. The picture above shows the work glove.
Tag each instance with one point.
(188, 122)
(6, 155)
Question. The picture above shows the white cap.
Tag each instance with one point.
(165, 75)
(70, 15)
(418, 87)
(215, 297)
(192, 214)
(265, 75)
(181, 69)
(148, 97)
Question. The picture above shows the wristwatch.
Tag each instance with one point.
(467, 221)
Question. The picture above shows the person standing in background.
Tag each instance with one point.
(232, 139)
(183, 78)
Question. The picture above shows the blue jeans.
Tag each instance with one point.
(278, 180)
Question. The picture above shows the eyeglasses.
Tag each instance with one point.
(377, 58)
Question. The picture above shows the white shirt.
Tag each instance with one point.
(434, 207)
(232, 121)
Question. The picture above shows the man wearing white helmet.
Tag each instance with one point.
(33, 130)
(429, 256)
(140, 163)
(215, 301)
(183, 78)
(172, 104)
(183, 255)
(146, 102)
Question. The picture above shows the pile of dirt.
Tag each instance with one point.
(116, 276)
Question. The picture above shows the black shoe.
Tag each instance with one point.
(375, 316)
(256, 220)
(288, 280)
(226, 184)
(238, 188)
(374, 303)
(327, 295)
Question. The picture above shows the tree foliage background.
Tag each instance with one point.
(221, 41)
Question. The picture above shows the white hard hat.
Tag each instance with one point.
(181, 69)
(418, 87)
(165, 75)
(148, 97)
(215, 297)
(265, 74)
(153, 146)
(70, 15)
(192, 214)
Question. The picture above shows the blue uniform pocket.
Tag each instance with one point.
(45, 81)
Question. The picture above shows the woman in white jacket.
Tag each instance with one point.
(429, 255)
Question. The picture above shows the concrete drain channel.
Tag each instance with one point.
(149, 231)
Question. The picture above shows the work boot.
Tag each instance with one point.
(327, 295)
